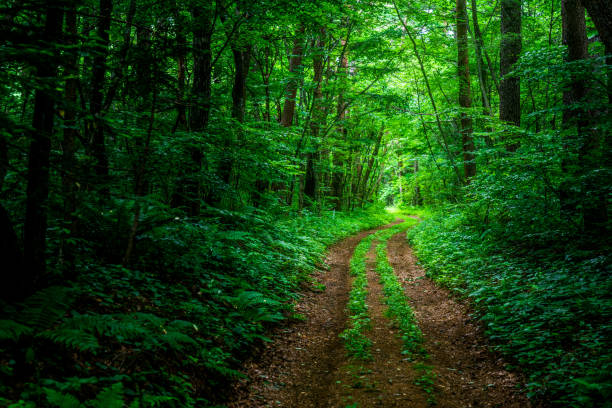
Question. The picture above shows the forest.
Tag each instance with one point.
(305, 203)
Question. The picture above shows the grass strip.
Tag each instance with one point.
(399, 309)
(355, 341)
(400, 312)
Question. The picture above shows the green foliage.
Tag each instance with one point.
(203, 294)
(546, 308)
(426, 381)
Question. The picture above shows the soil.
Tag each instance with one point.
(306, 364)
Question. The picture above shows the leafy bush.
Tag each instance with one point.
(547, 309)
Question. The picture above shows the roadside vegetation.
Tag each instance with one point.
(547, 305)
(175, 326)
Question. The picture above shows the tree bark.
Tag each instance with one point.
(97, 96)
(600, 12)
(465, 98)
(295, 62)
(69, 144)
(37, 191)
(510, 49)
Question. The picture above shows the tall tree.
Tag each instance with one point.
(318, 116)
(482, 72)
(97, 94)
(465, 98)
(295, 63)
(199, 112)
(70, 135)
(35, 228)
(510, 49)
(585, 139)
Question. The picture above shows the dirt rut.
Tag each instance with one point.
(388, 379)
(298, 368)
(306, 364)
(467, 373)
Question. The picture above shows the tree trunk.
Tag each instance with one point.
(338, 156)
(465, 98)
(199, 112)
(600, 12)
(97, 96)
(482, 73)
(370, 166)
(318, 115)
(510, 49)
(418, 199)
(181, 54)
(12, 284)
(35, 227)
(580, 171)
(69, 144)
(295, 62)
(146, 72)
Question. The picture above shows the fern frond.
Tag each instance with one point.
(61, 400)
(44, 308)
(11, 330)
(110, 397)
(74, 338)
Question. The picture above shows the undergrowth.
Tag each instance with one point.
(547, 304)
(171, 329)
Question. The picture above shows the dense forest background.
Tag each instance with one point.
(171, 172)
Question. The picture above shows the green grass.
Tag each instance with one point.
(399, 309)
(355, 341)
(401, 313)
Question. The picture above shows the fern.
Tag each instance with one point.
(44, 308)
(110, 397)
(255, 307)
(61, 400)
(74, 338)
(11, 330)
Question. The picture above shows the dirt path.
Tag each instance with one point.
(297, 369)
(388, 379)
(467, 374)
(306, 364)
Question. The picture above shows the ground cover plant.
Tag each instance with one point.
(165, 333)
(400, 311)
(546, 309)
(355, 338)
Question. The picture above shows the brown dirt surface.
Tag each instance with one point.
(306, 364)
(299, 366)
(467, 373)
(388, 379)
